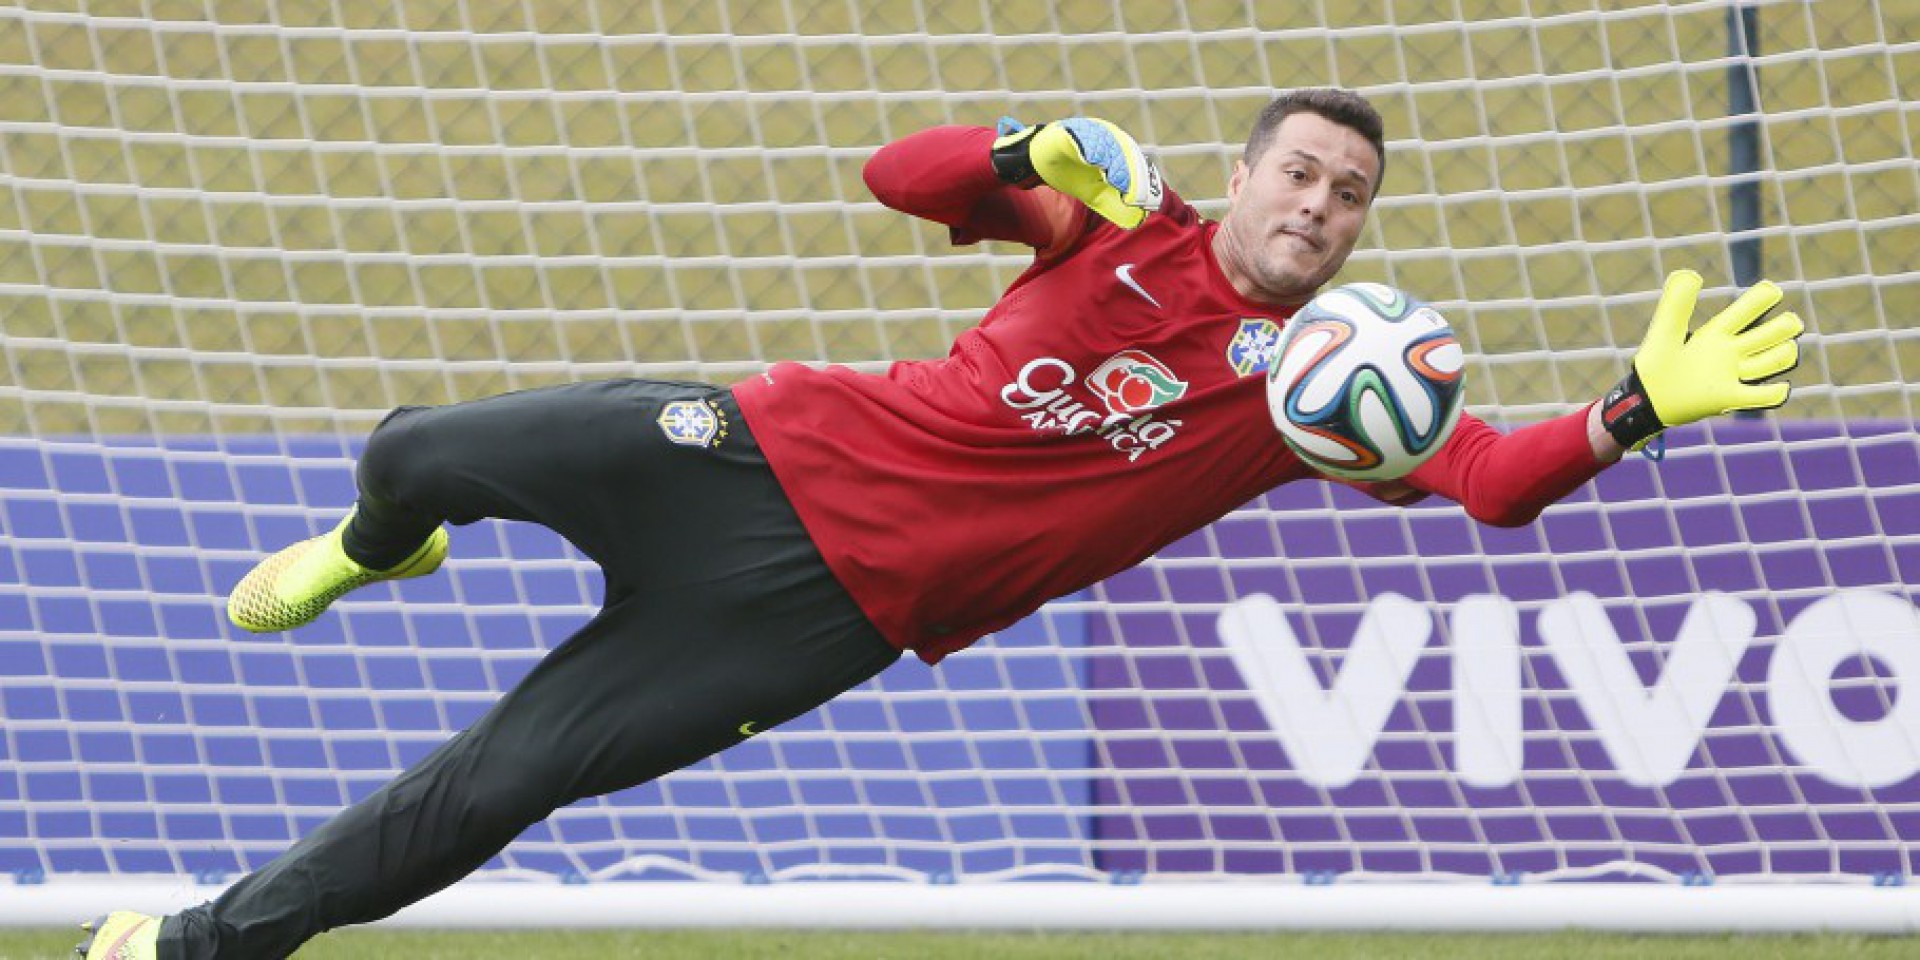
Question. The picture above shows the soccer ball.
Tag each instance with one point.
(1365, 383)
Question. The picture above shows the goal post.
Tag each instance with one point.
(235, 233)
(1245, 905)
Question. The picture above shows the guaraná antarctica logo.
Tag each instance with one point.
(1130, 384)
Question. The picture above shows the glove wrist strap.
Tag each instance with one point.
(1011, 161)
(1628, 414)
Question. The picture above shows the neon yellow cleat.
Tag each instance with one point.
(121, 935)
(292, 587)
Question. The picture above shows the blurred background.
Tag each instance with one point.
(243, 215)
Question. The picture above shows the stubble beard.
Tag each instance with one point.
(1282, 278)
(1257, 259)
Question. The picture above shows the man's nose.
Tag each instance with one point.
(1313, 202)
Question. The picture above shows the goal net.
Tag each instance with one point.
(234, 233)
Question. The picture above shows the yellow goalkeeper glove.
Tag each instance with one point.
(1678, 378)
(1088, 159)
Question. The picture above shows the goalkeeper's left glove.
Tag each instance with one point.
(1678, 378)
(1085, 158)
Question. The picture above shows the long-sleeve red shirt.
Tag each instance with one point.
(1106, 406)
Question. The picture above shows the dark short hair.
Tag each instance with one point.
(1341, 106)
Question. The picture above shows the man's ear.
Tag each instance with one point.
(1238, 180)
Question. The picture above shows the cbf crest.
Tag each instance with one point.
(1252, 347)
(693, 423)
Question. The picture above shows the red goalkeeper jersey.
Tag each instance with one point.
(1112, 402)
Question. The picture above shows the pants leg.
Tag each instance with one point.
(573, 458)
(719, 613)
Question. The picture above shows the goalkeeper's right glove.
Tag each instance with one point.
(1085, 158)
(1678, 378)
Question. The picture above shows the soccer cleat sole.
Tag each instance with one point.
(90, 928)
(257, 606)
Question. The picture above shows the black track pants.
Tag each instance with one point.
(719, 612)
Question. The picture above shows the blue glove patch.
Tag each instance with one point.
(1101, 149)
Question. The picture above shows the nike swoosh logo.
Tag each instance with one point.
(747, 730)
(1125, 273)
(114, 950)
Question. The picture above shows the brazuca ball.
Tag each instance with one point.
(1366, 382)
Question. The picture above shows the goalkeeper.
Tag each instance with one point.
(769, 546)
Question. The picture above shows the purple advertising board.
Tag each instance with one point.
(1690, 669)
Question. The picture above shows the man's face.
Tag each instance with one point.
(1294, 216)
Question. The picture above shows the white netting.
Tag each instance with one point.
(233, 234)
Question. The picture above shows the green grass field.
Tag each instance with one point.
(751, 945)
